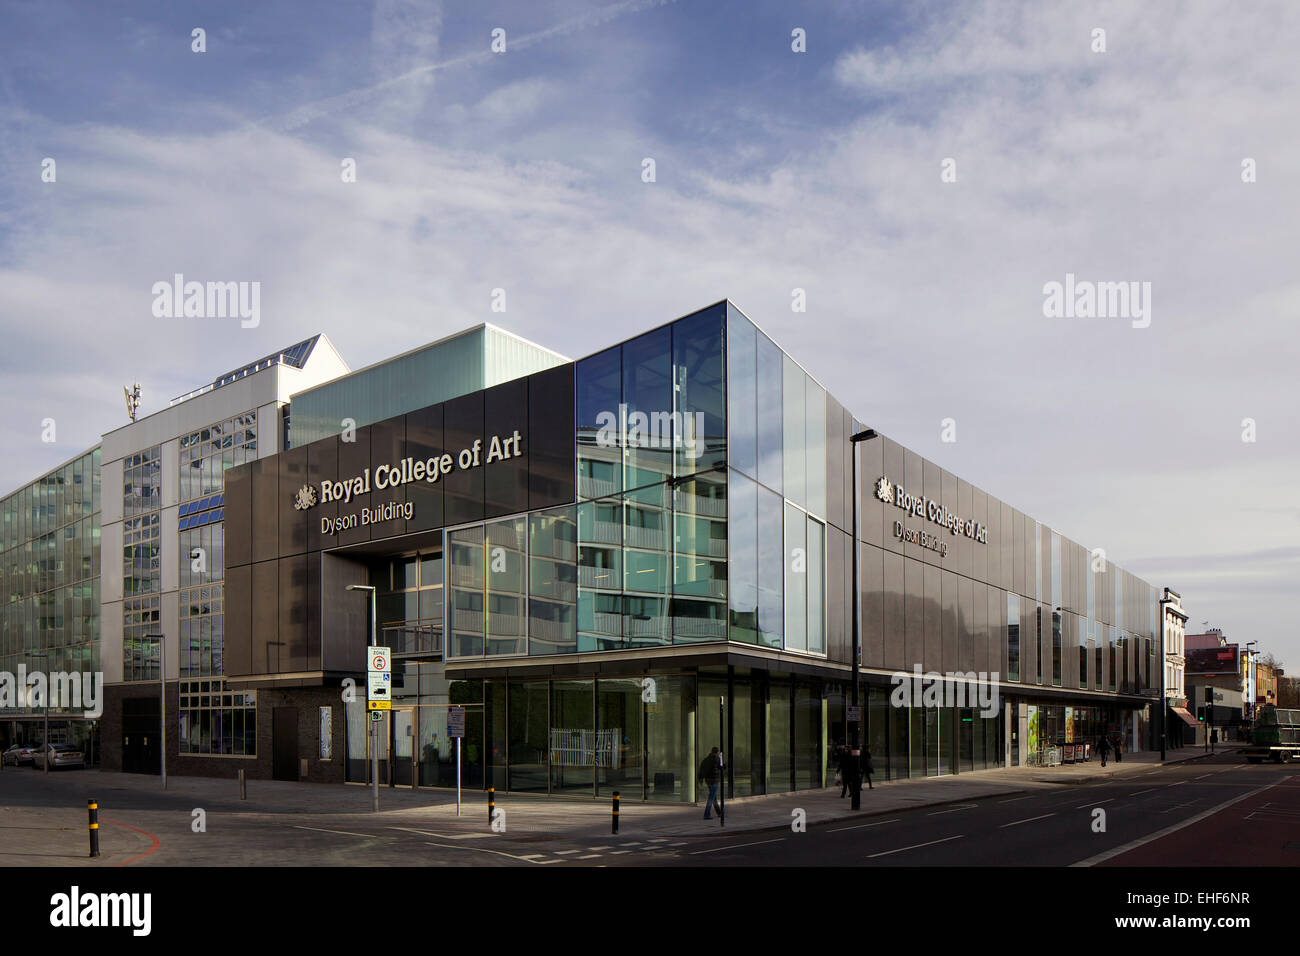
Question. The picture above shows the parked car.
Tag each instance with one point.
(19, 754)
(60, 755)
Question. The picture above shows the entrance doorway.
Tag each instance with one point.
(403, 758)
(140, 728)
(284, 743)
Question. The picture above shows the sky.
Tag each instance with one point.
(922, 171)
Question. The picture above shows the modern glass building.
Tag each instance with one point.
(617, 563)
(49, 583)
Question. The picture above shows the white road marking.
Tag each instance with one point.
(734, 846)
(483, 849)
(1095, 803)
(442, 836)
(861, 826)
(1142, 841)
(368, 836)
(1027, 820)
(964, 806)
(589, 856)
(562, 852)
(1014, 799)
(914, 846)
(1140, 792)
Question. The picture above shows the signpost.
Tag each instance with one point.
(379, 697)
(379, 679)
(456, 728)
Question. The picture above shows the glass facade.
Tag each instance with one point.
(690, 525)
(49, 575)
(212, 718)
(711, 508)
(141, 564)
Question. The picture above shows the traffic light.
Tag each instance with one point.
(1200, 714)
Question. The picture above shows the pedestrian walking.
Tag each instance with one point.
(847, 768)
(711, 774)
(868, 767)
(1103, 748)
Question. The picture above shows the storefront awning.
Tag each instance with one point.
(1182, 712)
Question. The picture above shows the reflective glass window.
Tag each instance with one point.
(506, 592)
(600, 417)
(742, 393)
(796, 579)
(553, 582)
(771, 567)
(647, 393)
(771, 435)
(794, 424)
(699, 385)
(742, 556)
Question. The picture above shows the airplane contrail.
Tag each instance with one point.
(315, 110)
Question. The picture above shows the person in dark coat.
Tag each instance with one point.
(1103, 748)
(867, 767)
(849, 768)
(711, 774)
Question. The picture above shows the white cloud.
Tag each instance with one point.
(925, 298)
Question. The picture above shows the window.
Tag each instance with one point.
(216, 720)
(201, 639)
(1013, 637)
(205, 454)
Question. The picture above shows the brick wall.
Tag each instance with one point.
(306, 700)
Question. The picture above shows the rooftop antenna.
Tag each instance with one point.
(132, 396)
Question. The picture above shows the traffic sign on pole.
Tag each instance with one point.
(379, 678)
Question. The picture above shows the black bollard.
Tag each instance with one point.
(492, 803)
(615, 830)
(93, 808)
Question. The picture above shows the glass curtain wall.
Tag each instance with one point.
(651, 536)
(619, 722)
(777, 480)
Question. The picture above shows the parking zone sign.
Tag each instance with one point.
(379, 678)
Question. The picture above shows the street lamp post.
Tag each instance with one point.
(855, 749)
(162, 699)
(372, 730)
(45, 701)
(1250, 680)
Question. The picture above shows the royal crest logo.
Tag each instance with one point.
(305, 498)
(884, 490)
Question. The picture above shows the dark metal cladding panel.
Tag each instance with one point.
(322, 466)
(550, 444)
(462, 426)
(424, 441)
(505, 475)
(239, 516)
(354, 460)
(388, 447)
(293, 521)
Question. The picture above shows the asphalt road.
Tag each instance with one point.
(1047, 826)
(1059, 827)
